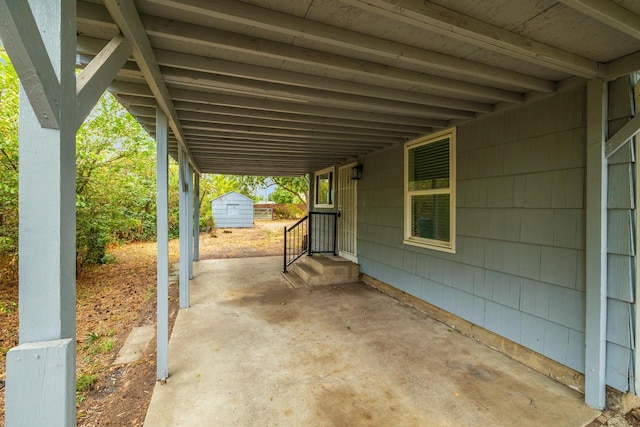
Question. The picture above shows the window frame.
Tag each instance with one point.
(423, 242)
(332, 181)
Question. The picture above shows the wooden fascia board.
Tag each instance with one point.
(94, 79)
(22, 40)
(467, 29)
(126, 16)
(608, 13)
(243, 13)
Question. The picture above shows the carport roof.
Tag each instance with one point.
(281, 87)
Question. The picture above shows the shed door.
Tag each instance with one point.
(348, 221)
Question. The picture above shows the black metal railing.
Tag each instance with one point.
(296, 241)
(323, 231)
(316, 233)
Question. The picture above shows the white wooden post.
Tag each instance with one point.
(596, 217)
(196, 217)
(162, 235)
(40, 388)
(185, 231)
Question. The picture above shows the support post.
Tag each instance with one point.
(190, 217)
(40, 388)
(596, 245)
(183, 166)
(162, 235)
(196, 217)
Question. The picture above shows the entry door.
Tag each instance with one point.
(348, 221)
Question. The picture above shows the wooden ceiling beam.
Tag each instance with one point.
(298, 118)
(197, 79)
(198, 35)
(246, 14)
(223, 119)
(288, 78)
(609, 13)
(292, 133)
(125, 15)
(454, 25)
(410, 119)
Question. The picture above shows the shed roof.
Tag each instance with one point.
(280, 87)
(234, 193)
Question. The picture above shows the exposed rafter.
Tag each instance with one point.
(222, 119)
(457, 26)
(243, 13)
(198, 79)
(178, 31)
(126, 16)
(288, 78)
(141, 92)
(608, 13)
(172, 30)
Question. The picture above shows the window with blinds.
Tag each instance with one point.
(430, 192)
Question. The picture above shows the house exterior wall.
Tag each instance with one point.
(620, 246)
(232, 210)
(519, 266)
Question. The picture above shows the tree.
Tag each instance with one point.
(8, 157)
(279, 195)
(298, 187)
(115, 181)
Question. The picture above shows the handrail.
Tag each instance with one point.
(311, 236)
(296, 241)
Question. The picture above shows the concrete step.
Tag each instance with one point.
(332, 265)
(308, 275)
(322, 270)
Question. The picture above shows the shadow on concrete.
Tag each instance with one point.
(253, 351)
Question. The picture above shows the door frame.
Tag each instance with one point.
(347, 255)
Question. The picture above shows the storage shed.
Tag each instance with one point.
(232, 210)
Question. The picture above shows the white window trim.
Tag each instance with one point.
(331, 170)
(422, 242)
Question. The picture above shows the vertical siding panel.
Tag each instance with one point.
(620, 277)
(620, 195)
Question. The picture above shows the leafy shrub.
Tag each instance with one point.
(289, 211)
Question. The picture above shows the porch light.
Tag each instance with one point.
(356, 171)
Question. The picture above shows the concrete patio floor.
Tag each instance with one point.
(252, 351)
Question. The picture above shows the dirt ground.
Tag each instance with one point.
(111, 300)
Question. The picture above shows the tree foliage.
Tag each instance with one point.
(8, 156)
(297, 187)
(115, 181)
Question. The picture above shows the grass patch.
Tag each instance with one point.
(95, 343)
(150, 292)
(85, 381)
(8, 307)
